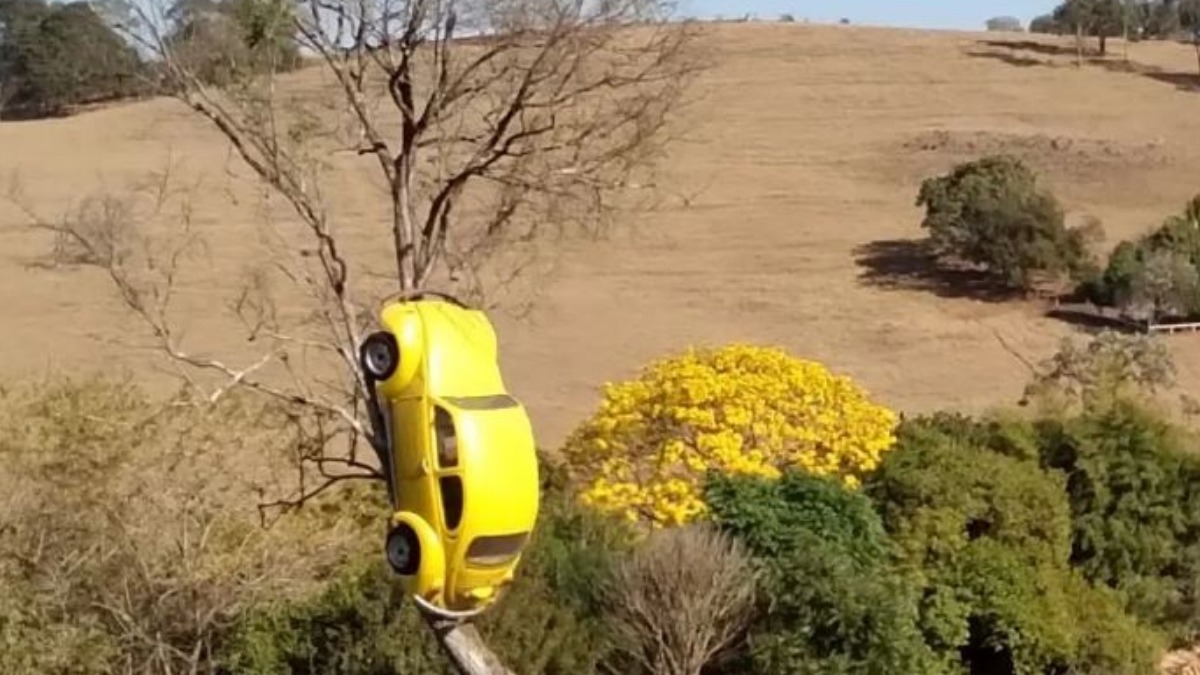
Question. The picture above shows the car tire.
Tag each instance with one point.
(403, 549)
(379, 355)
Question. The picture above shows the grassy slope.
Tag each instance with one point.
(801, 157)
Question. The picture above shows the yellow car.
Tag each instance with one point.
(462, 463)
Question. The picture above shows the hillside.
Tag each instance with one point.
(785, 212)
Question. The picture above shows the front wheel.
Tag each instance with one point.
(379, 355)
(403, 550)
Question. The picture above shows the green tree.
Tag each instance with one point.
(990, 535)
(831, 601)
(1114, 287)
(991, 212)
(53, 57)
(1189, 19)
(1044, 23)
(1095, 18)
(224, 41)
(1157, 274)
(1158, 19)
(1133, 481)
(1111, 18)
(1166, 284)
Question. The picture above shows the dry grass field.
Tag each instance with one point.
(786, 215)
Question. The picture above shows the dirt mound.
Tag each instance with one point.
(1043, 149)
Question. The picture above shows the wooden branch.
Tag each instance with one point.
(465, 647)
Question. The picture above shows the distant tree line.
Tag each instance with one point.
(1132, 19)
(55, 57)
(1005, 24)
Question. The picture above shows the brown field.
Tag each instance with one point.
(787, 212)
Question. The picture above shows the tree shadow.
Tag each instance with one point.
(910, 264)
(1183, 81)
(1091, 319)
(1011, 59)
(1030, 46)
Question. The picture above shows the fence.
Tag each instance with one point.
(1171, 328)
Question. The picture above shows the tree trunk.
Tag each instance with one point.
(1078, 45)
(403, 231)
(1196, 42)
(1103, 45)
(465, 647)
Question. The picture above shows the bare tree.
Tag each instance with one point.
(492, 124)
(1108, 367)
(489, 121)
(681, 599)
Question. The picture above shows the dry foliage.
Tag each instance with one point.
(1110, 366)
(127, 540)
(683, 597)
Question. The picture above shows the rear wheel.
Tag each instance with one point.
(379, 355)
(403, 550)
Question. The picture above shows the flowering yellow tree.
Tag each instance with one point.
(738, 409)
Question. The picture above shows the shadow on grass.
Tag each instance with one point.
(1091, 319)
(909, 264)
(1030, 46)
(1010, 59)
(1181, 81)
(1019, 53)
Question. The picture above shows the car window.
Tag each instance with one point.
(447, 438)
(452, 500)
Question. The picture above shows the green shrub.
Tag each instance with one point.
(990, 535)
(1157, 275)
(991, 212)
(831, 602)
(363, 623)
(552, 621)
(1134, 489)
(360, 624)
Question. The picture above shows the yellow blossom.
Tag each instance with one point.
(740, 409)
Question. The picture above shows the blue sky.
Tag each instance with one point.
(968, 14)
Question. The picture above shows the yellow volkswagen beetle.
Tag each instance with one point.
(462, 463)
